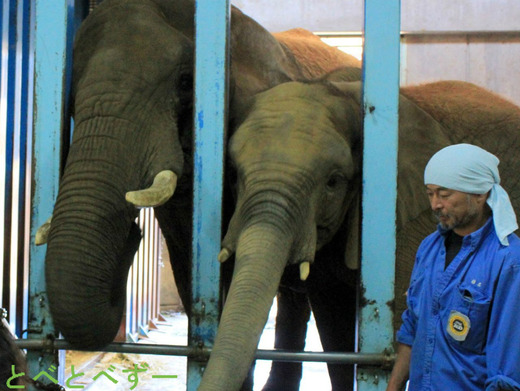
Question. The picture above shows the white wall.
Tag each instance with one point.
(347, 15)
(491, 61)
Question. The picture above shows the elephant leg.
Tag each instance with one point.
(291, 328)
(334, 306)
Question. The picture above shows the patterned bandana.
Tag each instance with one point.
(471, 169)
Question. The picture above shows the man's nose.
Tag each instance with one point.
(435, 202)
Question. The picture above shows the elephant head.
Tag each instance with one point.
(132, 92)
(296, 159)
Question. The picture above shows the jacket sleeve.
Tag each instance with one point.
(503, 349)
(406, 333)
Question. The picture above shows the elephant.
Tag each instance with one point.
(132, 94)
(297, 162)
(315, 58)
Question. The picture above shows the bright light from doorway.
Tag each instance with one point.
(348, 42)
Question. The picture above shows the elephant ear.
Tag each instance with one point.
(350, 88)
(420, 136)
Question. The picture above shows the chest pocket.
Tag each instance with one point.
(465, 319)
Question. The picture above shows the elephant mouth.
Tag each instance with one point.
(324, 234)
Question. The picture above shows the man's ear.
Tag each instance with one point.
(482, 198)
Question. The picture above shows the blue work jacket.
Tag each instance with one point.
(463, 323)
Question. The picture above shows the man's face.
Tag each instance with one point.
(461, 212)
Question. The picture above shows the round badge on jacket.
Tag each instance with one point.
(458, 325)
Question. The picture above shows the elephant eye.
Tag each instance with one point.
(335, 180)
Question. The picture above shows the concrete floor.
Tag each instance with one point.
(174, 331)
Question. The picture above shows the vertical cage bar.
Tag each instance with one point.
(9, 118)
(211, 76)
(4, 33)
(51, 43)
(380, 103)
(24, 124)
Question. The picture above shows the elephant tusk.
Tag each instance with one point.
(42, 234)
(161, 191)
(224, 255)
(305, 268)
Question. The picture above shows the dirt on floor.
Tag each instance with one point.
(121, 371)
(124, 371)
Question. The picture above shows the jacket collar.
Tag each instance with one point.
(476, 237)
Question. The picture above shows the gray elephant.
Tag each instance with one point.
(132, 146)
(297, 158)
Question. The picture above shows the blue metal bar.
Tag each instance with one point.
(211, 76)
(9, 91)
(380, 103)
(14, 103)
(4, 46)
(51, 44)
(26, 124)
(22, 107)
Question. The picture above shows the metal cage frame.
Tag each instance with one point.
(52, 28)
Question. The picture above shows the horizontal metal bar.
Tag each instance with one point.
(376, 359)
(478, 33)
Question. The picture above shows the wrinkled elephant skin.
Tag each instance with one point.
(132, 106)
(128, 112)
(297, 159)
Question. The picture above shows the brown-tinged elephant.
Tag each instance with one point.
(314, 56)
(132, 92)
(297, 158)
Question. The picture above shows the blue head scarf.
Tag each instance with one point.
(471, 169)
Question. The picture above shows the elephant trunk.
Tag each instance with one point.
(263, 249)
(92, 241)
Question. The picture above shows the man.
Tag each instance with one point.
(461, 329)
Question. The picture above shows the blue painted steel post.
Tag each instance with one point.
(50, 53)
(15, 106)
(211, 74)
(380, 100)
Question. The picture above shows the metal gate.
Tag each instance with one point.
(37, 37)
(17, 81)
